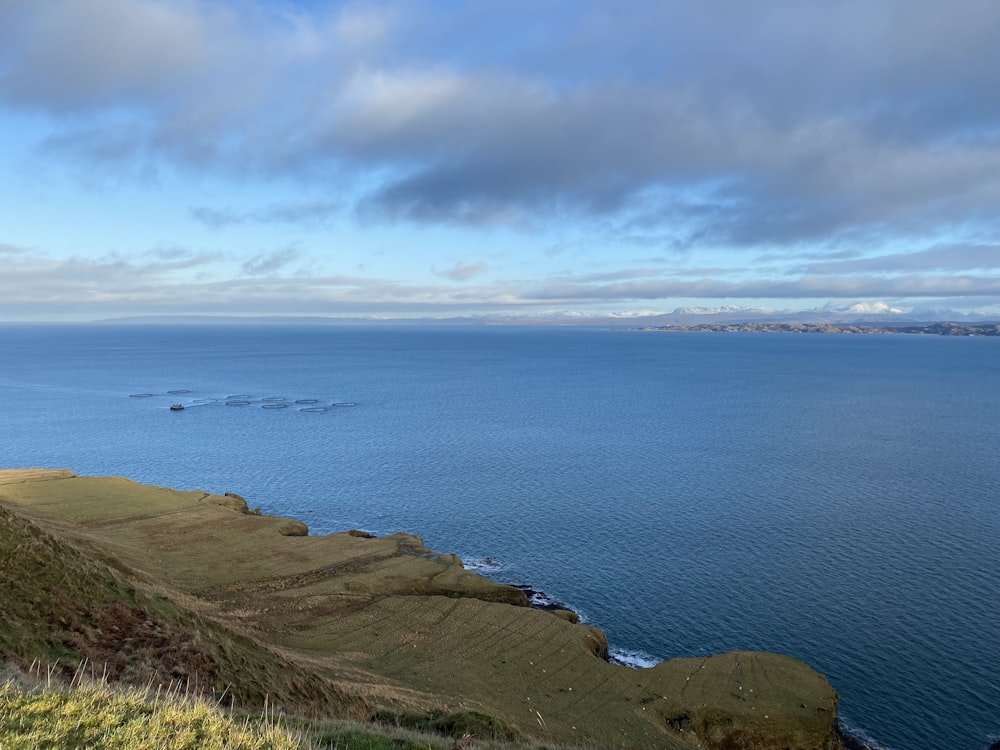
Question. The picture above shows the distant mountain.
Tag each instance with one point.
(877, 313)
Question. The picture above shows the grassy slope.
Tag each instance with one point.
(127, 720)
(98, 715)
(60, 605)
(364, 626)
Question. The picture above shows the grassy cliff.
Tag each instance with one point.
(153, 586)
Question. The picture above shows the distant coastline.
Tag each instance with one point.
(831, 321)
(938, 329)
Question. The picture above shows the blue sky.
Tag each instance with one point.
(462, 158)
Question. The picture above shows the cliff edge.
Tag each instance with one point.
(161, 585)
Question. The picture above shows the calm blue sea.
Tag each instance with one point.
(836, 498)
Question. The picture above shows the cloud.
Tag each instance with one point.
(177, 257)
(720, 123)
(268, 264)
(173, 280)
(943, 258)
(31, 279)
(807, 287)
(463, 271)
(63, 58)
(112, 286)
(303, 213)
(6, 249)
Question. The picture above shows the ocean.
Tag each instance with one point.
(832, 497)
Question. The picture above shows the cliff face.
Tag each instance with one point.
(175, 585)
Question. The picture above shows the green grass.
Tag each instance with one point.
(40, 712)
(455, 725)
(63, 607)
(100, 717)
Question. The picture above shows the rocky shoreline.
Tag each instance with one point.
(538, 599)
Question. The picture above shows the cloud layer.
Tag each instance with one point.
(751, 124)
(276, 282)
(780, 128)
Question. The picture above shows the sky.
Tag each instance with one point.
(439, 158)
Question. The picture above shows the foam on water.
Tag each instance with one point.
(862, 736)
(627, 657)
(486, 566)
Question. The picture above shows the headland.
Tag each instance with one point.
(161, 586)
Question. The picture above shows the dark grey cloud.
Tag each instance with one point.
(70, 56)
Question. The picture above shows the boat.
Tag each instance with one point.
(177, 407)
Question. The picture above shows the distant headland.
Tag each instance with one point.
(938, 329)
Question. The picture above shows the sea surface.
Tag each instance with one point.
(833, 497)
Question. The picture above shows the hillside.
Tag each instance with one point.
(162, 586)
